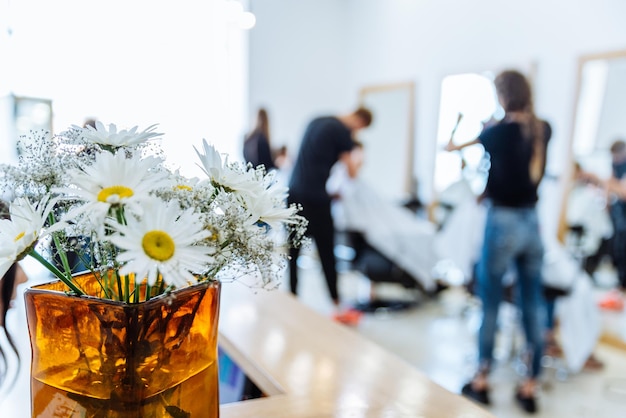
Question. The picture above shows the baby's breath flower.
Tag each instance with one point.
(125, 211)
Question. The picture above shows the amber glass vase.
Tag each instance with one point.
(105, 359)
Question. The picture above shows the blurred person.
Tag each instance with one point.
(256, 147)
(326, 140)
(8, 285)
(517, 147)
(390, 230)
(588, 221)
(281, 158)
(615, 188)
(284, 165)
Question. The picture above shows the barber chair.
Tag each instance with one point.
(379, 269)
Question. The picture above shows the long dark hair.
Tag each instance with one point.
(515, 95)
(262, 125)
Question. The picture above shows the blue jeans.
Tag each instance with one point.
(512, 240)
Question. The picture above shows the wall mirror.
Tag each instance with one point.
(599, 115)
(388, 142)
(468, 102)
(598, 122)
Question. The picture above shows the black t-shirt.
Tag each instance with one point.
(509, 182)
(619, 172)
(619, 169)
(256, 150)
(325, 139)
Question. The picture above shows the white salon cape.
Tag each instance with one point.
(392, 230)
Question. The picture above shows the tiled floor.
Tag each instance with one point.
(437, 337)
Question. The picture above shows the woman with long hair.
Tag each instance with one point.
(517, 148)
(256, 147)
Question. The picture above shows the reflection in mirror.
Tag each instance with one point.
(468, 102)
(590, 222)
(598, 123)
(388, 142)
(599, 117)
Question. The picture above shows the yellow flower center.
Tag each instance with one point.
(120, 191)
(158, 245)
(183, 187)
(214, 236)
(18, 236)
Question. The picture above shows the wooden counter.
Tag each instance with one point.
(311, 367)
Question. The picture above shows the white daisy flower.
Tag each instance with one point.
(114, 138)
(265, 208)
(267, 203)
(113, 180)
(112, 198)
(20, 233)
(224, 174)
(178, 182)
(163, 241)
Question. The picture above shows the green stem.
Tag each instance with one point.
(103, 279)
(127, 287)
(54, 270)
(121, 217)
(57, 244)
(120, 294)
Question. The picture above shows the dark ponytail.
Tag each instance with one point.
(515, 94)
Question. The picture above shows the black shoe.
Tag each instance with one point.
(481, 396)
(527, 403)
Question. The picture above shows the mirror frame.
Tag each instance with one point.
(568, 179)
(406, 153)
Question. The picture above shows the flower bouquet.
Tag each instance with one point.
(129, 328)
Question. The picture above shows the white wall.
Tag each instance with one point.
(299, 63)
(140, 62)
(312, 56)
